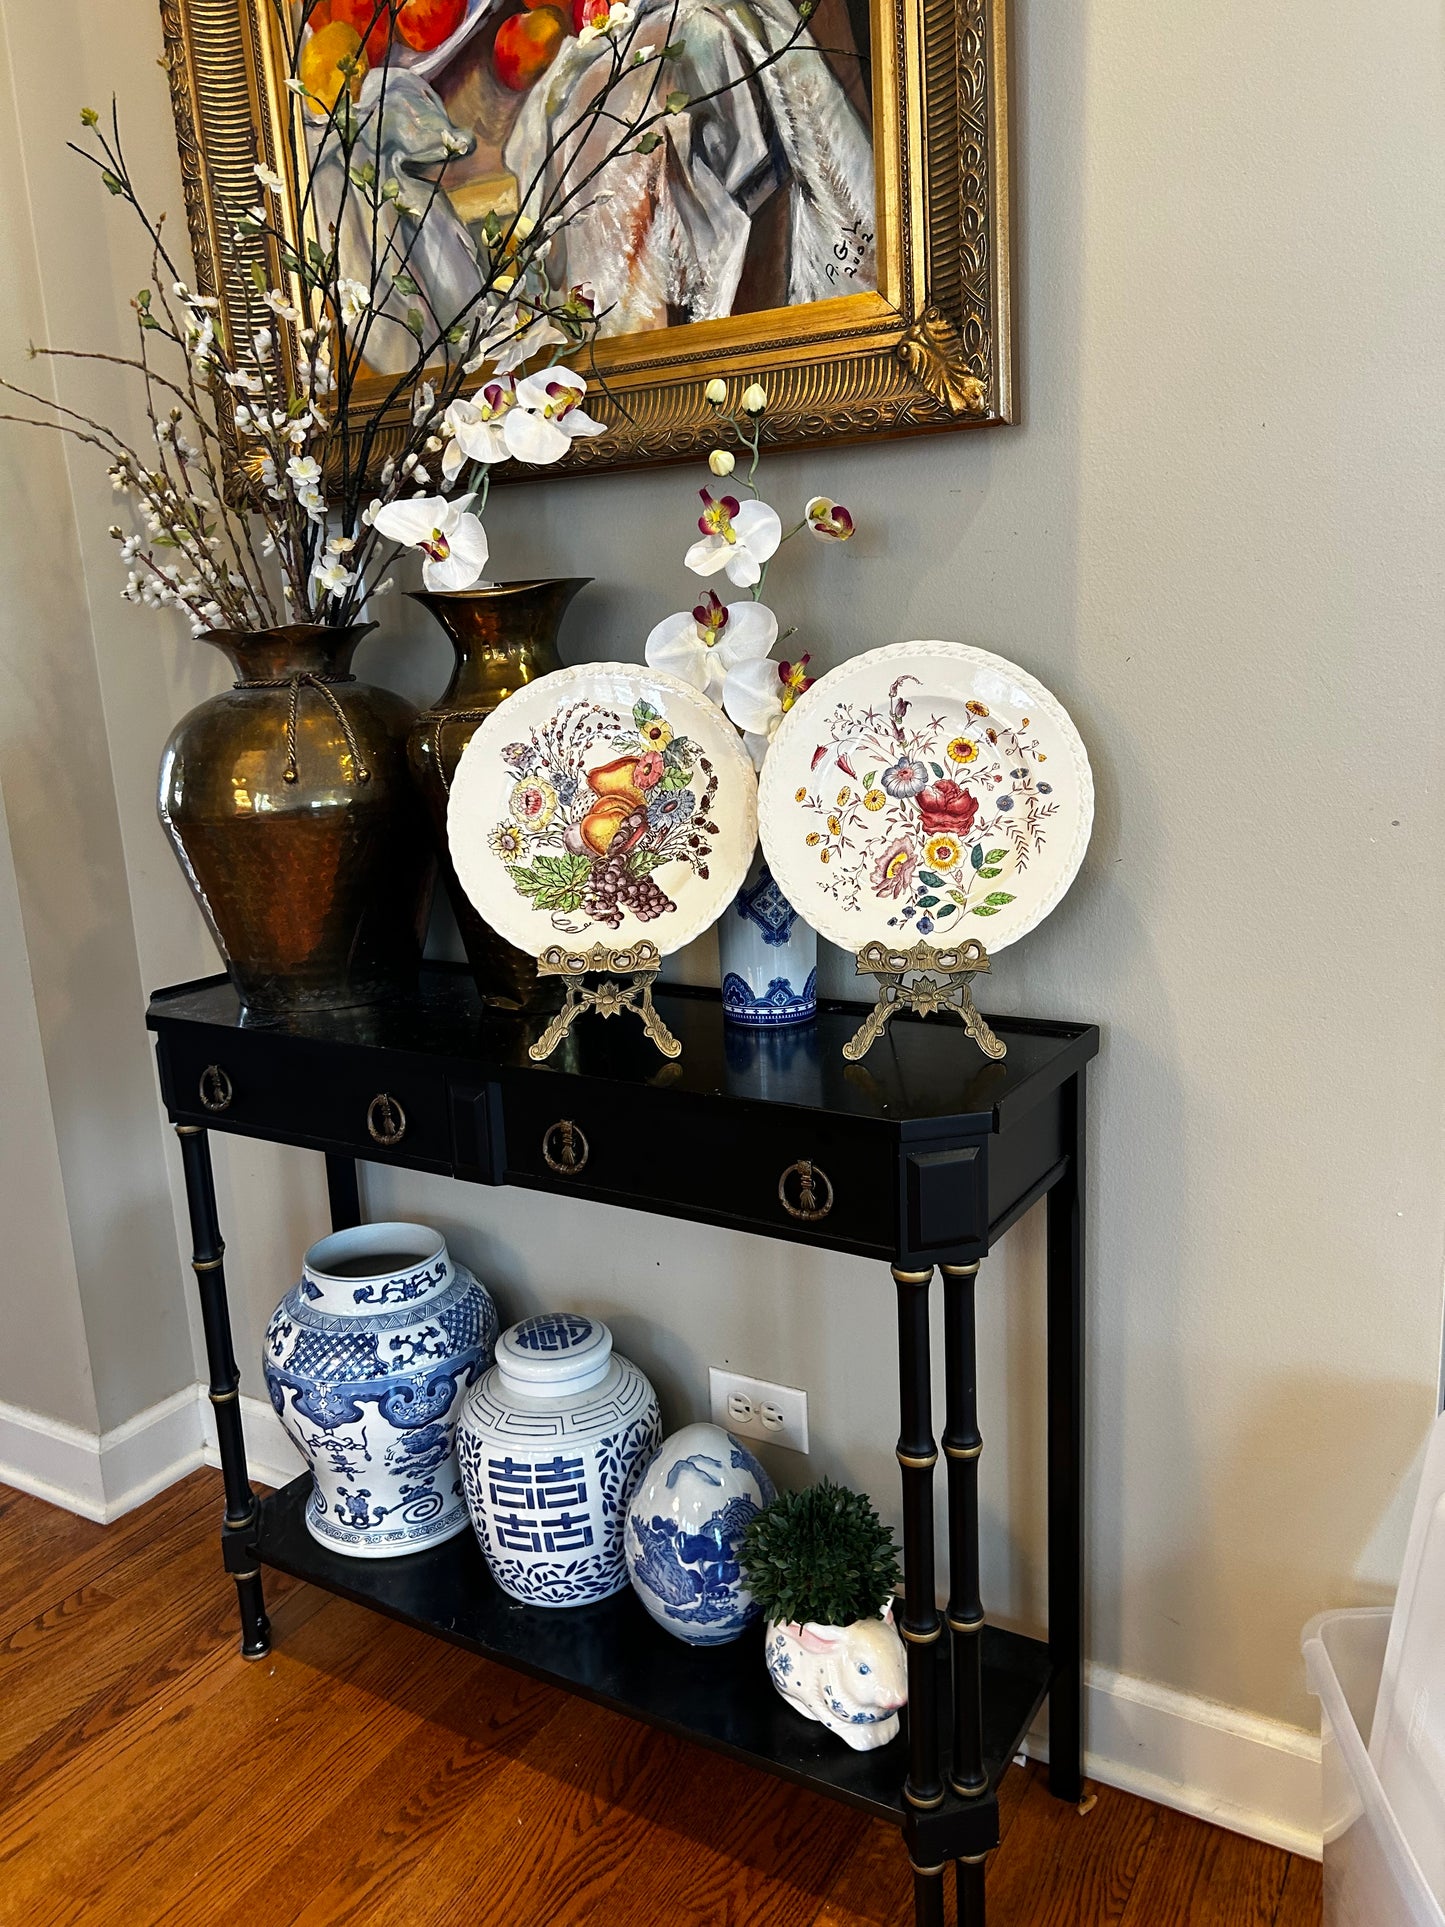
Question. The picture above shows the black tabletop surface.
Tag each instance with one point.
(919, 1069)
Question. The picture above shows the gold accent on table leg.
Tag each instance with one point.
(921, 1639)
(922, 1806)
(929, 1871)
(919, 1463)
(962, 1271)
(641, 962)
(925, 964)
(208, 1264)
(912, 1277)
(964, 1451)
(224, 1398)
(973, 1859)
(967, 1625)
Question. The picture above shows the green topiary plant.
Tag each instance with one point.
(821, 1555)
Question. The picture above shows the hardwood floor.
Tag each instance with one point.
(149, 1777)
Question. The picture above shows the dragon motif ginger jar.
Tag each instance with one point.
(553, 1440)
(366, 1361)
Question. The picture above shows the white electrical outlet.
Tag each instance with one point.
(754, 1409)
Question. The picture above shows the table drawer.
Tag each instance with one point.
(276, 1086)
(766, 1170)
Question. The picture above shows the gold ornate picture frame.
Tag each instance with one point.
(932, 348)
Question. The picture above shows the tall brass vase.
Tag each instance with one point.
(504, 637)
(289, 806)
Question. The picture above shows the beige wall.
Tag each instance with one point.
(1217, 537)
(79, 902)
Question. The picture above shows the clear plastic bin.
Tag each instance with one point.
(1372, 1879)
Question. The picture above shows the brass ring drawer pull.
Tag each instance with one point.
(815, 1193)
(385, 1119)
(216, 1088)
(565, 1148)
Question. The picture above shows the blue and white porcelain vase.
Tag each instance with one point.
(553, 1439)
(767, 955)
(685, 1530)
(366, 1361)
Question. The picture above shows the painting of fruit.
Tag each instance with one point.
(425, 24)
(465, 99)
(526, 45)
(333, 58)
(371, 20)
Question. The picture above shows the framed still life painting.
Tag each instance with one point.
(824, 208)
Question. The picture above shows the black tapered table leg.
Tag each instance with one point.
(342, 1191)
(962, 1445)
(928, 1896)
(1066, 1455)
(920, 1624)
(970, 1891)
(238, 1528)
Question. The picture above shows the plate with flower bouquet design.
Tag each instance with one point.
(926, 790)
(603, 804)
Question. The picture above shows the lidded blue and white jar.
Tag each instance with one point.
(366, 1361)
(552, 1441)
(767, 956)
(685, 1530)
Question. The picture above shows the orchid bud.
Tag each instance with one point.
(721, 462)
(716, 391)
(755, 398)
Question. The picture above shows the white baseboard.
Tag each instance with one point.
(1256, 1776)
(270, 1455)
(103, 1475)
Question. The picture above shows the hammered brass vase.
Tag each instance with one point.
(503, 637)
(289, 805)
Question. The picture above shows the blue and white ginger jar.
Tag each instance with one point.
(685, 1530)
(767, 956)
(366, 1361)
(553, 1439)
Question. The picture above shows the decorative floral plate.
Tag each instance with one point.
(603, 804)
(927, 790)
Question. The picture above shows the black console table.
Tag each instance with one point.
(922, 1156)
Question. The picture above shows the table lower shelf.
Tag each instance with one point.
(613, 1653)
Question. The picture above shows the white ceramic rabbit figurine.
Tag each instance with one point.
(852, 1679)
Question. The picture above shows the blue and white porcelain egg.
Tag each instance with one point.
(685, 1528)
(366, 1361)
(553, 1439)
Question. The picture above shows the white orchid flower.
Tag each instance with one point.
(330, 574)
(758, 694)
(475, 431)
(450, 537)
(354, 298)
(548, 416)
(737, 539)
(703, 644)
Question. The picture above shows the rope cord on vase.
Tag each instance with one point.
(445, 716)
(320, 684)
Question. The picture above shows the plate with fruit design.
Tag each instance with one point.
(603, 804)
(926, 791)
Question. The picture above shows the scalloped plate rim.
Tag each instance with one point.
(797, 881)
(722, 888)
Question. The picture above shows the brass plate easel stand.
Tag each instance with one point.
(937, 980)
(640, 961)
